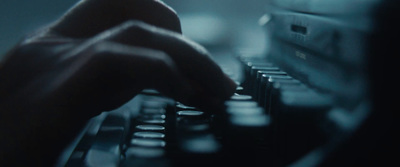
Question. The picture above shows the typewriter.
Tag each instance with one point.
(322, 96)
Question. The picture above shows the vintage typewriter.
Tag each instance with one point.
(319, 97)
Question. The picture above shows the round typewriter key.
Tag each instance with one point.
(144, 152)
(190, 113)
(150, 127)
(235, 104)
(148, 142)
(264, 92)
(241, 97)
(191, 117)
(246, 111)
(153, 121)
(240, 90)
(152, 116)
(181, 106)
(152, 135)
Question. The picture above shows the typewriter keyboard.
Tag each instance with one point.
(273, 119)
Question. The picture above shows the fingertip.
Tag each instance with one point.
(230, 87)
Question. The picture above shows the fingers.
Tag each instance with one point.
(90, 17)
(150, 68)
(110, 74)
(191, 59)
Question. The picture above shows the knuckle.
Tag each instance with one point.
(100, 48)
(166, 60)
(133, 32)
(162, 55)
(163, 63)
(135, 26)
(100, 52)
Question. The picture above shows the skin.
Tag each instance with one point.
(98, 56)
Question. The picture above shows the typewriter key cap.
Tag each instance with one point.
(148, 142)
(190, 113)
(248, 72)
(248, 111)
(181, 106)
(153, 121)
(257, 80)
(152, 135)
(266, 86)
(150, 128)
(152, 116)
(241, 97)
(235, 104)
(239, 90)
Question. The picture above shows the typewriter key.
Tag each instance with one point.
(150, 127)
(152, 135)
(148, 142)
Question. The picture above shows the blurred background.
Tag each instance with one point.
(19, 17)
(226, 23)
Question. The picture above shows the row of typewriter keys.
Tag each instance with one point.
(296, 110)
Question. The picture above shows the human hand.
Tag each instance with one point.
(102, 53)
(95, 58)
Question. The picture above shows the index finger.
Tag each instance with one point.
(192, 59)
